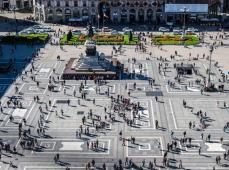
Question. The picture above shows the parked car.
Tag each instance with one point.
(189, 32)
(163, 29)
(106, 29)
(177, 29)
(27, 32)
(42, 28)
(127, 29)
(193, 29)
(76, 32)
(114, 32)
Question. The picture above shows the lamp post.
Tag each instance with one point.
(15, 18)
(210, 63)
(40, 10)
(184, 10)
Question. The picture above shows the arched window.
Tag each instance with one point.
(58, 3)
(59, 12)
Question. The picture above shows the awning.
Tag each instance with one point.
(84, 18)
(75, 19)
(210, 20)
(190, 8)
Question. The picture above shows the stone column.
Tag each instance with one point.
(128, 16)
(119, 14)
(145, 15)
(154, 14)
(30, 3)
(136, 16)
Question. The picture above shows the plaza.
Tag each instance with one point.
(152, 117)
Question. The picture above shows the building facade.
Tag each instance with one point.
(225, 6)
(92, 10)
(125, 11)
(19, 4)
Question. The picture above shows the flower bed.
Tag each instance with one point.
(108, 38)
(175, 40)
(101, 40)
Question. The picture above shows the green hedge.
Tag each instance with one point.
(26, 39)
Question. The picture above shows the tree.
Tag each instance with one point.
(69, 35)
(131, 36)
(90, 31)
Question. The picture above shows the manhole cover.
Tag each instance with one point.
(154, 93)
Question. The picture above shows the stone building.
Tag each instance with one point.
(225, 5)
(19, 4)
(91, 10)
(125, 11)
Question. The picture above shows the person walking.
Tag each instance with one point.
(143, 163)
(180, 164)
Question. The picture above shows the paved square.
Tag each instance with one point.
(214, 113)
(33, 89)
(145, 147)
(99, 119)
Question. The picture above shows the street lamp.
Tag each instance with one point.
(14, 10)
(210, 63)
(184, 10)
(40, 8)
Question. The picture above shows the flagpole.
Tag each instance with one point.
(98, 20)
(103, 22)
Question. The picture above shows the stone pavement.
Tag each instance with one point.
(62, 129)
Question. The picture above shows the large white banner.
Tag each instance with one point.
(190, 8)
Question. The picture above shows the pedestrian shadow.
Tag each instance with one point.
(176, 151)
(20, 154)
(39, 149)
(204, 155)
(15, 122)
(5, 113)
(224, 165)
(138, 144)
(47, 136)
(68, 95)
(160, 101)
(9, 156)
(118, 121)
(13, 166)
(62, 163)
(84, 139)
(66, 116)
(134, 126)
(131, 146)
(46, 127)
(92, 135)
(226, 144)
(3, 131)
(189, 107)
(48, 121)
(61, 117)
(162, 128)
(172, 167)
